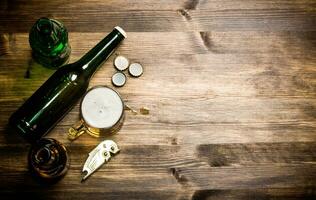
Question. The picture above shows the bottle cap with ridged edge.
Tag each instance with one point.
(135, 69)
(121, 63)
(118, 79)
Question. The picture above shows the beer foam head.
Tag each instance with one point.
(102, 107)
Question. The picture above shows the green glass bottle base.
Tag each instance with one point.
(52, 62)
(49, 42)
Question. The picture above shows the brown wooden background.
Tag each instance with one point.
(230, 84)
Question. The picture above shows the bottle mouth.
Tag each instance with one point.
(44, 26)
(43, 155)
(121, 31)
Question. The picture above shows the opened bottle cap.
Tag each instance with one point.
(118, 79)
(121, 63)
(135, 69)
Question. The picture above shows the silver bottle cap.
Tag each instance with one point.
(135, 69)
(118, 79)
(121, 63)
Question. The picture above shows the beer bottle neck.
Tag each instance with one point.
(91, 61)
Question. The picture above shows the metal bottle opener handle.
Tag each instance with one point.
(99, 155)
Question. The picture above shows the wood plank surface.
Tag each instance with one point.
(230, 84)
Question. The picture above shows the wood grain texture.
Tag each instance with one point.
(230, 85)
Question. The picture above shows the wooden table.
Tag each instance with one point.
(230, 84)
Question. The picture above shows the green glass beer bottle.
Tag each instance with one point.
(49, 42)
(60, 92)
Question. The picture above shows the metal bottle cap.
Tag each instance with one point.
(135, 69)
(101, 110)
(121, 63)
(118, 79)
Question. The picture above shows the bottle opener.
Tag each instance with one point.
(99, 155)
